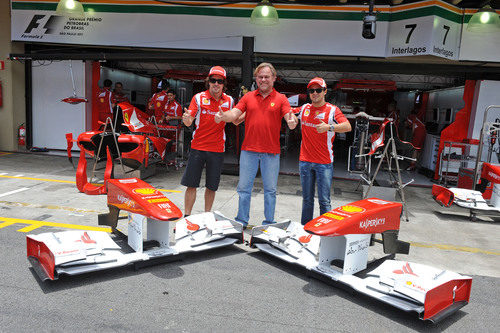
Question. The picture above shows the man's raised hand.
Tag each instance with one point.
(219, 116)
(322, 127)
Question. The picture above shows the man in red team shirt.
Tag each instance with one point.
(207, 146)
(172, 112)
(319, 123)
(157, 102)
(119, 95)
(419, 133)
(262, 110)
(105, 101)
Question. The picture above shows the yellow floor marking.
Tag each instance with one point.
(455, 248)
(30, 227)
(69, 182)
(70, 209)
(3, 154)
(6, 224)
(9, 221)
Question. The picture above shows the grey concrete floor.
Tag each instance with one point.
(236, 288)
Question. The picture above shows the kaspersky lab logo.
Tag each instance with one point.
(41, 25)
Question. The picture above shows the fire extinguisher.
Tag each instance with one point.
(21, 135)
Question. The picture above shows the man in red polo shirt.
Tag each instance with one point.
(119, 94)
(319, 123)
(172, 111)
(262, 110)
(207, 146)
(157, 102)
(419, 133)
(105, 101)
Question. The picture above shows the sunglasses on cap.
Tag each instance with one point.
(219, 81)
(316, 90)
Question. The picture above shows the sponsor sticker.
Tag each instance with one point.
(352, 209)
(372, 223)
(337, 212)
(378, 201)
(205, 101)
(333, 216)
(127, 180)
(101, 100)
(158, 104)
(145, 191)
(158, 200)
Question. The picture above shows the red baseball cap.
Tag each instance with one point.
(317, 80)
(217, 70)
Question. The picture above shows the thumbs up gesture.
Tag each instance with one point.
(219, 116)
(322, 127)
(291, 119)
(187, 119)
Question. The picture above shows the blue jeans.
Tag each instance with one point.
(269, 169)
(311, 173)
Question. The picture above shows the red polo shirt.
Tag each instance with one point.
(208, 135)
(105, 98)
(318, 147)
(173, 109)
(157, 103)
(263, 120)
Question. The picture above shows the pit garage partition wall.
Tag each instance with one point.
(52, 119)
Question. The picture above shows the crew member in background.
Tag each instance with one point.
(172, 111)
(418, 139)
(262, 110)
(393, 113)
(119, 94)
(105, 101)
(207, 146)
(319, 123)
(156, 104)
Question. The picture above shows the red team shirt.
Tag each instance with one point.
(105, 98)
(318, 147)
(157, 102)
(208, 135)
(172, 109)
(120, 97)
(263, 120)
(419, 131)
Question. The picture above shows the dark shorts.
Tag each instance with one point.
(198, 159)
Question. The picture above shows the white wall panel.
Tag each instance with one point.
(52, 119)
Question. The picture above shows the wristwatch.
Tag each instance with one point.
(332, 128)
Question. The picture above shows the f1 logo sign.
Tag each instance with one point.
(49, 26)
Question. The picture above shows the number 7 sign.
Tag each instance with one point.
(428, 35)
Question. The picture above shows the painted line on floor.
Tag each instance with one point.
(54, 207)
(454, 248)
(15, 191)
(70, 182)
(3, 154)
(3, 173)
(33, 224)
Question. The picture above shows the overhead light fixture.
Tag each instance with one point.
(484, 20)
(71, 8)
(264, 14)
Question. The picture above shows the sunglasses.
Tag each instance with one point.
(219, 81)
(317, 90)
